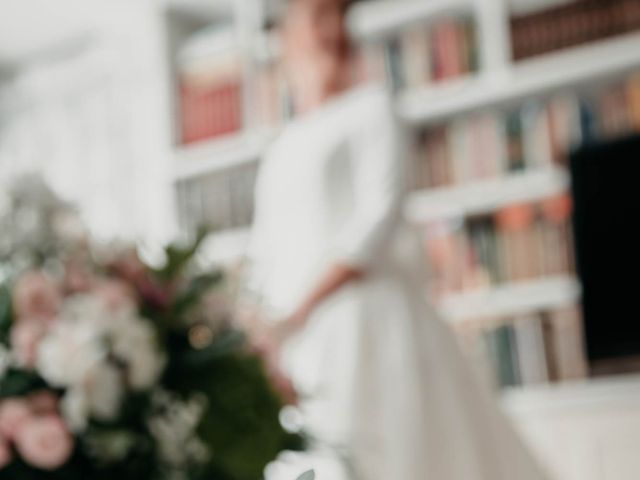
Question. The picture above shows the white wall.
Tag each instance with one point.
(89, 107)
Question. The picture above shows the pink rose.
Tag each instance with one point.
(25, 338)
(5, 453)
(43, 401)
(13, 413)
(129, 266)
(44, 442)
(116, 294)
(36, 296)
(77, 278)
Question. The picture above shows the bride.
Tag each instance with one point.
(384, 391)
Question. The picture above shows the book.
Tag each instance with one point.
(571, 24)
(416, 50)
(568, 344)
(531, 348)
(502, 351)
(514, 139)
(536, 136)
(532, 358)
(211, 97)
(517, 242)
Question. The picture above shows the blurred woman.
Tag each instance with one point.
(385, 393)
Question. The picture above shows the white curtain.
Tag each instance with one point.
(96, 123)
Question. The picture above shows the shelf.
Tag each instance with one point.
(484, 196)
(227, 152)
(576, 67)
(226, 246)
(210, 10)
(514, 299)
(381, 17)
(526, 7)
(611, 391)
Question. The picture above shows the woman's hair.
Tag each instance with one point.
(345, 3)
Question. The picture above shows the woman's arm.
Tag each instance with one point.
(379, 182)
(333, 280)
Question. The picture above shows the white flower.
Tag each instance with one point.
(135, 343)
(104, 391)
(75, 409)
(87, 309)
(174, 428)
(99, 396)
(5, 360)
(68, 352)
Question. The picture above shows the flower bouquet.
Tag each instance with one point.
(112, 368)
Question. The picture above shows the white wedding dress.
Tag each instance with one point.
(385, 391)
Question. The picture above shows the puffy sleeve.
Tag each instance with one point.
(378, 179)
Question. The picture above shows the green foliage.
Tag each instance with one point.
(179, 257)
(241, 420)
(19, 382)
(191, 295)
(6, 313)
(241, 423)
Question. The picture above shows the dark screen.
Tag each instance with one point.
(606, 193)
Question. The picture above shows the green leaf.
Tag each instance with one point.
(179, 257)
(224, 344)
(197, 287)
(308, 475)
(6, 313)
(16, 383)
(241, 423)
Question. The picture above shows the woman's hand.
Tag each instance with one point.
(266, 338)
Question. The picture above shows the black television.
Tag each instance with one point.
(605, 184)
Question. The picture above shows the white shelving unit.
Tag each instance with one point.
(491, 88)
(220, 154)
(577, 67)
(484, 196)
(499, 83)
(379, 18)
(513, 299)
(209, 9)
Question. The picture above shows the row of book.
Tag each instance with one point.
(214, 88)
(426, 53)
(518, 242)
(537, 134)
(528, 349)
(273, 104)
(571, 24)
(211, 90)
(223, 200)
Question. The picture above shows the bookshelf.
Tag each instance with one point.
(212, 10)
(579, 67)
(219, 155)
(514, 299)
(384, 16)
(496, 86)
(485, 196)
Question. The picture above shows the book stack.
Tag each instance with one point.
(537, 134)
(572, 24)
(528, 349)
(426, 54)
(518, 242)
(221, 201)
(210, 93)
(273, 102)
